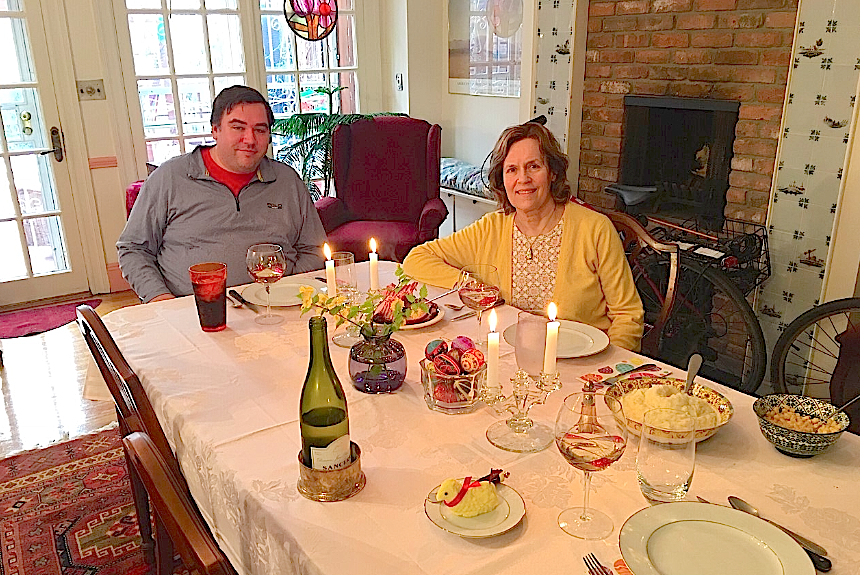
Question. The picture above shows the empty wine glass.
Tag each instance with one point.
(591, 435)
(479, 290)
(347, 286)
(266, 264)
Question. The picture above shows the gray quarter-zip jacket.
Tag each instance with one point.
(183, 217)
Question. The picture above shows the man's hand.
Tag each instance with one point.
(162, 297)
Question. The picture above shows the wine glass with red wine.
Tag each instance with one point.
(266, 264)
(479, 290)
(591, 434)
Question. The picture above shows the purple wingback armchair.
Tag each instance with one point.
(386, 177)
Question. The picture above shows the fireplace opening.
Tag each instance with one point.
(679, 150)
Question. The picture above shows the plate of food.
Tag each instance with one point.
(283, 293)
(416, 318)
(475, 509)
(575, 339)
(711, 409)
(689, 537)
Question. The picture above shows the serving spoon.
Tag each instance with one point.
(850, 401)
(692, 370)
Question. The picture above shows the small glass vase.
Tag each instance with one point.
(377, 364)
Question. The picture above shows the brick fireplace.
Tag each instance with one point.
(737, 50)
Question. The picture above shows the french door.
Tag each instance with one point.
(40, 247)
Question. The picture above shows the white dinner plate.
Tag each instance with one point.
(500, 520)
(284, 292)
(688, 537)
(575, 339)
(433, 320)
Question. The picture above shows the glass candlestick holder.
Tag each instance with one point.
(519, 433)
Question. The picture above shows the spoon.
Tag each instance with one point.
(692, 369)
(742, 505)
(850, 401)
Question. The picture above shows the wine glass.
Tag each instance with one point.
(347, 286)
(479, 290)
(591, 435)
(266, 264)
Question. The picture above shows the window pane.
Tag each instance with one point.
(345, 5)
(10, 5)
(147, 43)
(13, 40)
(15, 103)
(46, 246)
(311, 55)
(156, 107)
(132, 4)
(222, 82)
(160, 150)
(221, 5)
(12, 264)
(7, 208)
(195, 102)
(283, 94)
(192, 143)
(311, 101)
(186, 33)
(277, 43)
(225, 43)
(273, 5)
(184, 4)
(341, 42)
(345, 101)
(32, 177)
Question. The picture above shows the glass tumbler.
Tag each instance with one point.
(667, 455)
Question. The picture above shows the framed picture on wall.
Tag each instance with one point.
(485, 47)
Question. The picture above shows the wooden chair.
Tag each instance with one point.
(179, 528)
(133, 409)
(637, 242)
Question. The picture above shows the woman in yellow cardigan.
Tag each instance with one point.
(545, 247)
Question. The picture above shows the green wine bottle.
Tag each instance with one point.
(322, 409)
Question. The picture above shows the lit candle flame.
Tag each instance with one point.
(493, 320)
(551, 311)
(373, 245)
(327, 251)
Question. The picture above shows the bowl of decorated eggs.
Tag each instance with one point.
(453, 374)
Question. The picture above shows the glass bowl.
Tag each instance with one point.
(452, 394)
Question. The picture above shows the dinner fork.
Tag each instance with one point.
(594, 566)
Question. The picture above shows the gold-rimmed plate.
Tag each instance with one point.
(575, 339)
(688, 537)
(509, 513)
(283, 293)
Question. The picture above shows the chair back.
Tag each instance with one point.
(386, 168)
(178, 525)
(134, 410)
(637, 242)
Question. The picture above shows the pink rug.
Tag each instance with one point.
(37, 320)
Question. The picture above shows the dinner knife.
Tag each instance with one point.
(620, 376)
(820, 563)
(246, 303)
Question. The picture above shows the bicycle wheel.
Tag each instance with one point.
(711, 317)
(806, 353)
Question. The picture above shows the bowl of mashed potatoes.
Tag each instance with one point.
(710, 409)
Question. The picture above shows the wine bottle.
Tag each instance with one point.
(322, 409)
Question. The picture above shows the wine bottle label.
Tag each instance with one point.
(336, 455)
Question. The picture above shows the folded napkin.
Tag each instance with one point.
(607, 371)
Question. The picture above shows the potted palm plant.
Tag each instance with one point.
(310, 151)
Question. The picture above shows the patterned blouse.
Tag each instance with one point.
(535, 264)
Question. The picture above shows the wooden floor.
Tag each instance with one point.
(42, 379)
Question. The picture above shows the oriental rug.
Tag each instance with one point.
(39, 319)
(68, 510)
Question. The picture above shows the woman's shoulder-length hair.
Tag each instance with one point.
(550, 149)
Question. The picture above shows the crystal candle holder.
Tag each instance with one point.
(452, 394)
(334, 485)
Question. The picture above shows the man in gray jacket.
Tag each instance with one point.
(215, 202)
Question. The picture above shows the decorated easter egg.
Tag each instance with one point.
(434, 348)
(445, 393)
(462, 343)
(472, 360)
(455, 354)
(445, 364)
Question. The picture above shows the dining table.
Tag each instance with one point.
(229, 404)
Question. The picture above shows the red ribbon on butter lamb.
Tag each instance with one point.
(467, 485)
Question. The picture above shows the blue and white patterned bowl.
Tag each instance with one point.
(798, 443)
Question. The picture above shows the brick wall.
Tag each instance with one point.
(722, 49)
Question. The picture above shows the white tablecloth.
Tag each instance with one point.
(228, 402)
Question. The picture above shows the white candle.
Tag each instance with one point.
(374, 266)
(549, 354)
(329, 272)
(493, 353)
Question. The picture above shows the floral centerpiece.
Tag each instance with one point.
(378, 363)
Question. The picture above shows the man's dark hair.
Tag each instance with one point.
(233, 96)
